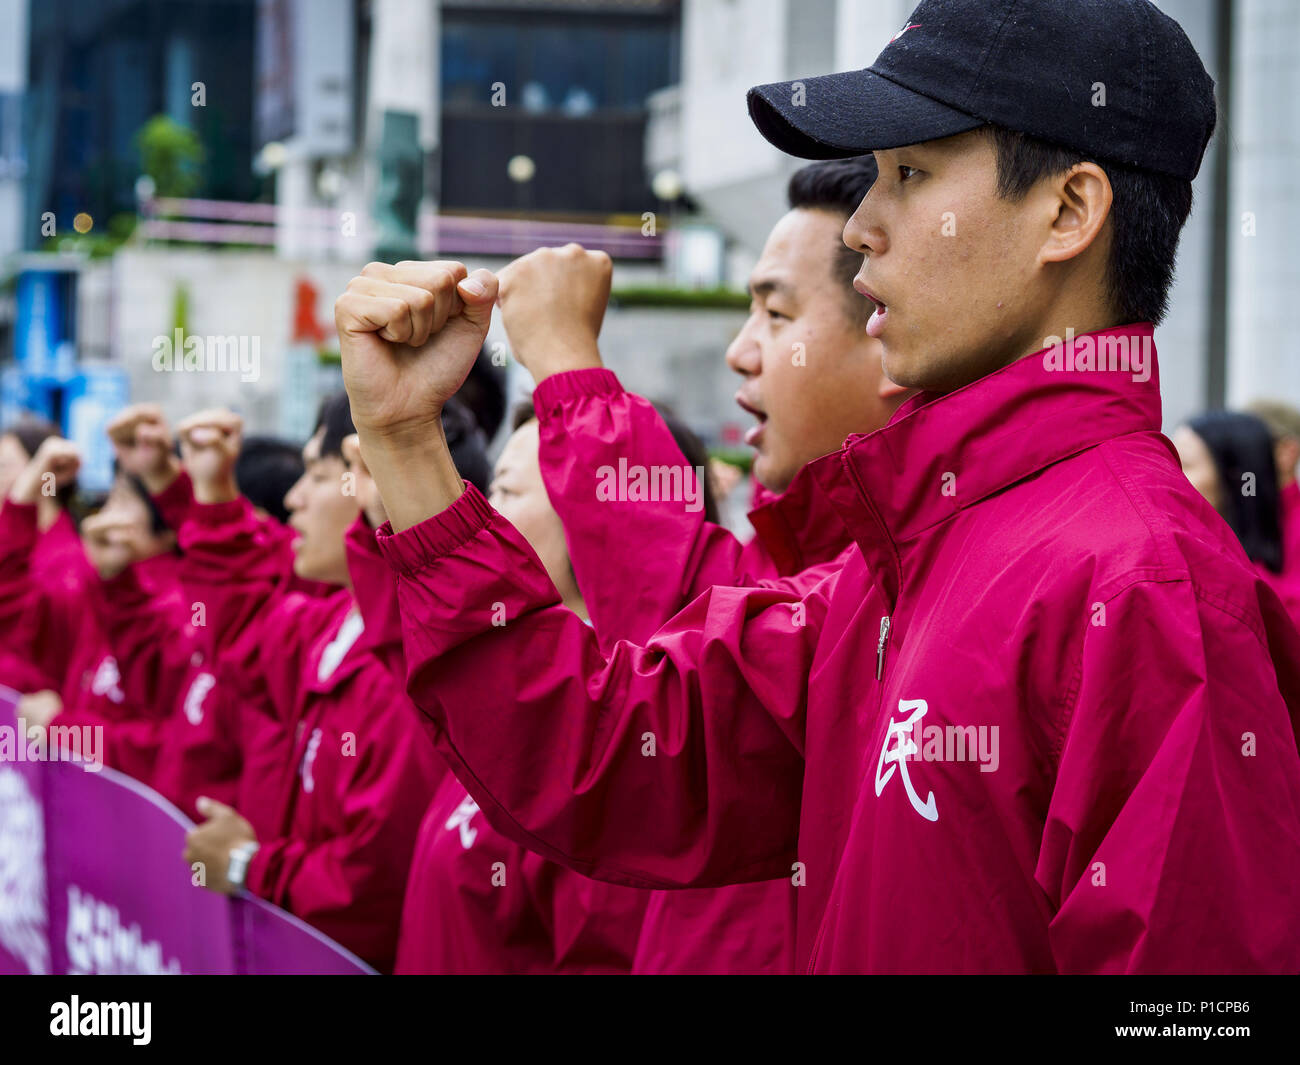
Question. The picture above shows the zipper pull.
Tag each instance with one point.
(880, 647)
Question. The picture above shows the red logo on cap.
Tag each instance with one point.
(909, 26)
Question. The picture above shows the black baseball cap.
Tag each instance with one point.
(1116, 80)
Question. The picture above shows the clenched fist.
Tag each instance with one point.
(143, 445)
(55, 464)
(210, 445)
(408, 335)
(552, 305)
(113, 541)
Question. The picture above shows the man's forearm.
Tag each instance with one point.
(413, 471)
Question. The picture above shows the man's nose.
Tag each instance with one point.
(862, 232)
(743, 354)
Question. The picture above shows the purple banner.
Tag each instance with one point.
(92, 881)
(24, 905)
(119, 890)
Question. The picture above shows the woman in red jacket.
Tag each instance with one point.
(56, 625)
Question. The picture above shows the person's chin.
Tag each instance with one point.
(900, 367)
(771, 473)
(302, 568)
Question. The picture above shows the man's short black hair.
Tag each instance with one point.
(838, 186)
(335, 417)
(266, 469)
(1146, 217)
(484, 393)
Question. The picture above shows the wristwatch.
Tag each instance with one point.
(237, 869)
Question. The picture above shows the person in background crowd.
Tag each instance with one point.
(811, 376)
(1283, 423)
(57, 558)
(340, 759)
(58, 626)
(1229, 458)
(18, 443)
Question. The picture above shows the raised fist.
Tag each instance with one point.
(210, 443)
(142, 443)
(112, 542)
(408, 335)
(552, 304)
(54, 465)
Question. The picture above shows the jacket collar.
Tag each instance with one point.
(943, 453)
(799, 527)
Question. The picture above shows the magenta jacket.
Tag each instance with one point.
(49, 620)
(638, 563)
(341, 772)
(1042, 719)
(476, 901)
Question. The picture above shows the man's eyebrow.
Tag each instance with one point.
(766, 286)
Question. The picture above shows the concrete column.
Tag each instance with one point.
(1263, 355)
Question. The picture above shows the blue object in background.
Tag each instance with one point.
(21, 394)
(92, 397)
(43, 326)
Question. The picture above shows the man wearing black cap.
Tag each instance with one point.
(1033, 723)
(1107, 100)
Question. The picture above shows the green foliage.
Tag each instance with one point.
(100, 242)
(172, 155)
(704, 298)
(740, 457)
(181, 308)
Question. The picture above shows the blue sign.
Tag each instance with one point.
(19, 394)
(91, 399)
(43, 343)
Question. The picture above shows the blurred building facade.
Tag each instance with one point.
(1226, 338)
(336, 131)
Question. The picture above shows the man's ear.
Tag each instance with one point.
(1080, 200)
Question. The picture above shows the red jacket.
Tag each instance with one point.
(217, 717)
(1042, 719)
(52, 622)
(476, 902)
(57, 564)
(638, 563)
(342, 770)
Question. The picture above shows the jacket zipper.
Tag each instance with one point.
(882, 646)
